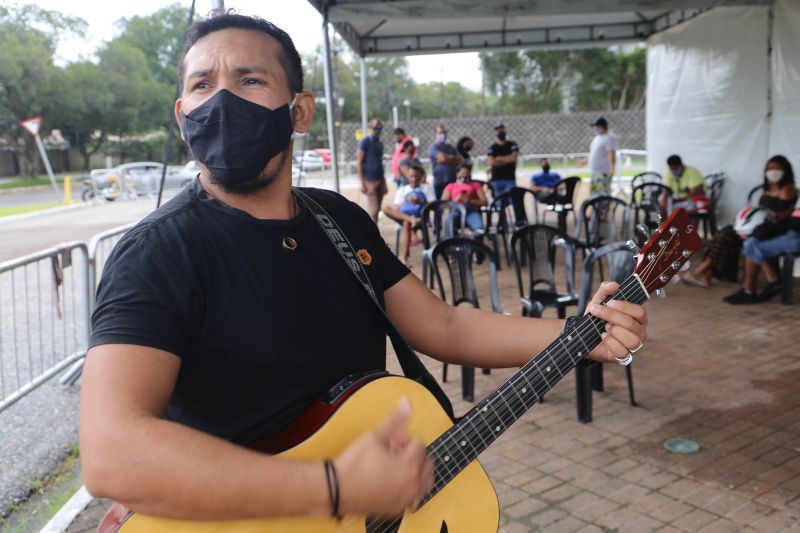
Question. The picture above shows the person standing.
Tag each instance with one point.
(502, 155)
(444, 160)
(602, 157)
(370, 168)
(400, 139)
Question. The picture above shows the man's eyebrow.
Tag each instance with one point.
(202, 73)
(250, 70)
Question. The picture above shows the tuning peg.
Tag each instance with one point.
(659, 218)
(661, 293)
(643, 230)
(686, 266)
(633, 246)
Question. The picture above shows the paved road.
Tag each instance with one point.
(41, 195)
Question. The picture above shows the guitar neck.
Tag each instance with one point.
(490, 418)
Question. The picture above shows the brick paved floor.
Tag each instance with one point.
(722, 375)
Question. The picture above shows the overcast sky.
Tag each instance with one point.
(297, 17)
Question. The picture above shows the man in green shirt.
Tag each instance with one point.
(685, 182)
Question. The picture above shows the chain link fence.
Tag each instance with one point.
(546, 133)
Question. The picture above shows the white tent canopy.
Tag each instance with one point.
(723, 91)
(406, 27)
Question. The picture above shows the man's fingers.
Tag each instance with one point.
(388, 431)
(607, 288)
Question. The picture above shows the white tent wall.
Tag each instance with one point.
(785, 123)
(707, 87)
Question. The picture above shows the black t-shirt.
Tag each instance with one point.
(509, 170)
(260, 331)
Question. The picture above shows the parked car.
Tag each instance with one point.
(309, 160)
(142, 177)
(324, 152)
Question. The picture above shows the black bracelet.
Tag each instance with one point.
(333, 487)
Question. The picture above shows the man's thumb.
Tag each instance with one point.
(395, 422)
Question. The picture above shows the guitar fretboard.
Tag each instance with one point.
(463, 442)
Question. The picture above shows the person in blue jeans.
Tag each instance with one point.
(778, 235)
(469, 194)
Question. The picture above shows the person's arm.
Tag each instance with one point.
(448, 159)
(478, 338)
(154, 466)
(360, 166)
(789, 194)
(612, 161)
(446, 194)
(480, 198)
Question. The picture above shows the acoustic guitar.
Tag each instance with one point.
(462, 498)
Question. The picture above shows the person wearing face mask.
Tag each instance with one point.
(369, 158)
(444, 160)
(602, 157)
(687, 183)
(408, 204)
(469, 194)
(502, 156)
(779, 234)
(224, 314)
(542, 183)
(400, 139)
(408, 161)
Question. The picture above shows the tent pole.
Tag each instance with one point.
(326, 56)
(364, 96)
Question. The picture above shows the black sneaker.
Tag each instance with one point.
(771, 288)
(742, 297)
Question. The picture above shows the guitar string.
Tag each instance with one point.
(507, 422)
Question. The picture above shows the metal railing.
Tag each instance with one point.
(44, 317)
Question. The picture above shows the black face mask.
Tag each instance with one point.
(501, 135)
(236, 138)
(546, 169)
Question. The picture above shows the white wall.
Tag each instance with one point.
(707, 96)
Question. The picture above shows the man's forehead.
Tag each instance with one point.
(249, 48)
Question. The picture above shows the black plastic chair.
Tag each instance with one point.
(708, 217)
(646, 177)
(752, 193)
(601, 220)
(589, 374)
(533, 250)
(644, 201)
(437, 224)
(564, 191)
(458, 256)
(508, 209)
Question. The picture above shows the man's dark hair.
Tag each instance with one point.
(406, 144)
(289, 58)
(674, 160)
(398, 131)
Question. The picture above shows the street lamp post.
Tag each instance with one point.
(407, 104)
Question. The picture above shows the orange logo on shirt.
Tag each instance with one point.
(364, 257)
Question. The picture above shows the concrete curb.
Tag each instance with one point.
(43, 212)
(66, 515)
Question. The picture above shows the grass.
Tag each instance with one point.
(13, 183)
(21, 209)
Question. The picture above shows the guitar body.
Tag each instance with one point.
(467, 503)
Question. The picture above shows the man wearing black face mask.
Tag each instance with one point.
(370, 168)
(223, 315)
(503, 155)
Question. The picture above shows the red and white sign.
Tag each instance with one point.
(32, 125)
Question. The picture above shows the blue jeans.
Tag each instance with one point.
(757, 250)
(474, 219)
(501, 186)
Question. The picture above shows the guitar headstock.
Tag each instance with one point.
(668, 249)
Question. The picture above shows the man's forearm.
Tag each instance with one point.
(165, 469)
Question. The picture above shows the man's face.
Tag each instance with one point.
(376, 128)
(398, 137)
(676, 170)
(246, 63)
(416, 177)
(441, 130)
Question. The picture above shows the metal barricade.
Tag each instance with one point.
(100, 247)
(44, 317)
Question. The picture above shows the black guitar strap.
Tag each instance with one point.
(409, 361)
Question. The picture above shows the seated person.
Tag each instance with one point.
(779, 234)
(542, 183)
(685, 182)
(408, 204)
(470, 194)
(409, 159)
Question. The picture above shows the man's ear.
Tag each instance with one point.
(303, 111)
(177, 110)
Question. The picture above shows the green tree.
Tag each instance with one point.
(27, 74)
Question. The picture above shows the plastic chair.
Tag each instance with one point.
(644, 201)
(601, 220)
(646, 177)
(458, 253)
(752, 193)
(708, 217)
(564, 191)
(509, 209)
(533, 250)
(437, 224)
(589, 374)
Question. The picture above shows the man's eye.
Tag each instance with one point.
(201, 85)
(252, 81)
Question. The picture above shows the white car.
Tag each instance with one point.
(309, 160)
(144, 177)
